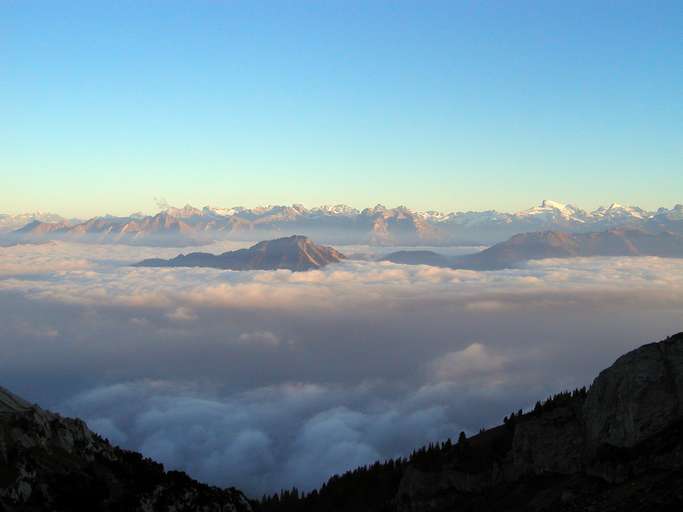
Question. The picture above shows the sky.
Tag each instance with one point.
(447, 105)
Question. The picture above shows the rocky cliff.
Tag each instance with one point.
(615, 447)
(48, 462)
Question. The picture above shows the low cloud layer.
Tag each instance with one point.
(270, 379)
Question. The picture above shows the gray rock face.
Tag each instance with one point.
(624, 440)
(10, 403)
(551, 443)
(421, 491)
(639, 395)
(48, 462)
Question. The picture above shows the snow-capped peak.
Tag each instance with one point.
(547, 203)
(550, 210)
(337, 209)
(618, 211)
(222, 212)
(186, 211)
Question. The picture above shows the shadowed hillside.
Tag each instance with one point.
(616, 447)
(48, 462)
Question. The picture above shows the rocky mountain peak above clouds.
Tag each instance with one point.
(539, 245)
(296, 253)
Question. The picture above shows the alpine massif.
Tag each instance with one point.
(338, 224)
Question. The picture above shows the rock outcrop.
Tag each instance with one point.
(617, 447)
(48, 462)
(640, 395)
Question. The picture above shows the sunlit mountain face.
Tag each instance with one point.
(334, 224)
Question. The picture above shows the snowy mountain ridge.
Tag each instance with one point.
(339, 224)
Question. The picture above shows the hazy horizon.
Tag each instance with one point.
(160, 206)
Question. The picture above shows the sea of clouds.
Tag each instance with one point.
(265, 380)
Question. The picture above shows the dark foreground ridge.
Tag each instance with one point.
(616, 447)
(51, 463)
(296, 253)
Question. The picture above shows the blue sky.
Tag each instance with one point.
(444, 105)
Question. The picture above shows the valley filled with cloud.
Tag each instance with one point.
(268, 379)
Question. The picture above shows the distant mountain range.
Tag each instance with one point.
(13, 222)
(553, 244)
(162, 229)
(338, 224)
(296, 253)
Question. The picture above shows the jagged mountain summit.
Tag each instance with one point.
(48, 462)
(296, 253)
(341, 224)
(617, 447)
(162, 229)
(14, 222)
